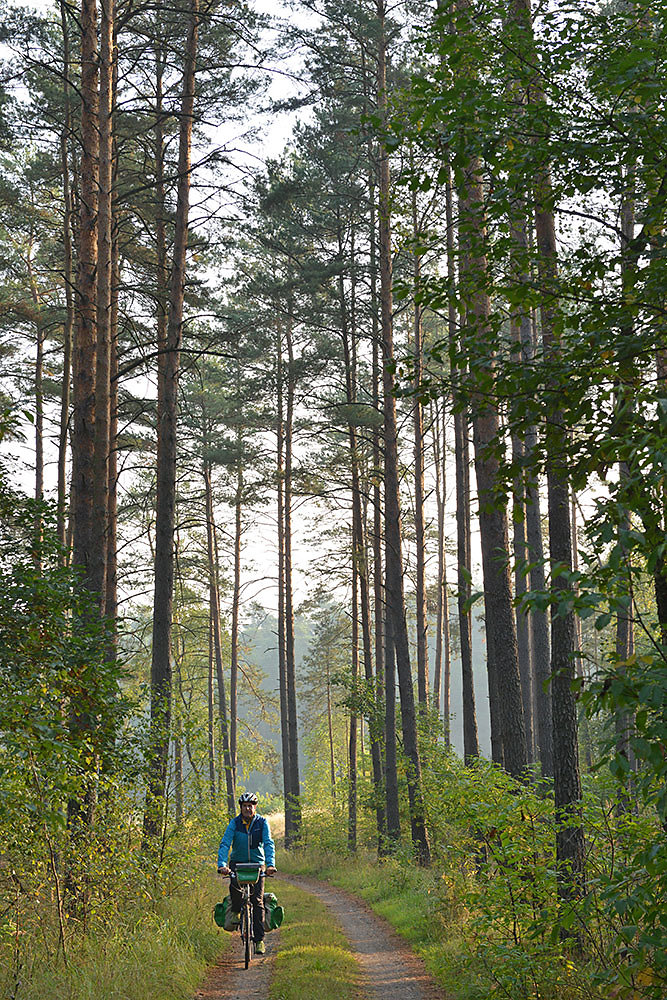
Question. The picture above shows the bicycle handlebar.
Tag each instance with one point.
(265, 873)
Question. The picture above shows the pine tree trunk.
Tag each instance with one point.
(178, 774)
(391, 772)
(86, 295)
(539, 630)
(332, 759)
(522, 620)
(290, 664)
(111, 582)
(487, 436)
(393, 544)
(98, 566)
(282, 657)
(382, 792)
(214, 597)
(462, 476)
(68, 275)
(82, 703)
(210, 715)
(168, 371)
(567, 782)
(438, 465)
(418, 425)
(352, 746)
(236, 600)
(359, 547)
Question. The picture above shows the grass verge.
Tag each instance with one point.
(160, 953)
(314, 958)
(436, 923)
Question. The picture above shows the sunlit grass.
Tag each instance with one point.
(314, 959)
(160, 955)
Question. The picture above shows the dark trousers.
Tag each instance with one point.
(257, 897)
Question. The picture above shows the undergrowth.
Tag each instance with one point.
(157, 945)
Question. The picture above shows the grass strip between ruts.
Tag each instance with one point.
(314, 958)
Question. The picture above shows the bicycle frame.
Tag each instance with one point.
(245, 876)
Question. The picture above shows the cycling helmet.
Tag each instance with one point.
(248, 797)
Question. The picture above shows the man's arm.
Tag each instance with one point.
(269, 846)
(225, 844)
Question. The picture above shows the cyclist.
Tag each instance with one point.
(249, 837)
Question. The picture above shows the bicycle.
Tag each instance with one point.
(246, 875)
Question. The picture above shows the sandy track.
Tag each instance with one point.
(391, 971)
(229, 980)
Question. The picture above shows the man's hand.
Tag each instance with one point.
(270, 870)
(224, 870)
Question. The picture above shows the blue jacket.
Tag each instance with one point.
(252, 843)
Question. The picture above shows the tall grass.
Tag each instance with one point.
(157, 949)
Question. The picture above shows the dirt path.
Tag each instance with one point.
(391, 970)
(229, 980)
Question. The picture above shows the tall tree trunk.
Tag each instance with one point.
(359, 554)
(382, 791)
(68, 280)
(522, 620)
(418, 426)
(83, 701)
(567, 782)
(290, 834)
(290, 664)
(178, 774)
(500, 623)
(168, 370)
(462, 477)
(210, 713)
(111, 583)
(101, 451)
(539, 630)
(393, 545)
(352, 746)
(332, 760)
(391, 771)
(236, 601)
(438, 448)
(214, 592)
(86, 288)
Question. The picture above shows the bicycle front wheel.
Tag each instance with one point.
(247, 933)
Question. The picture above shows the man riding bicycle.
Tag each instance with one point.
(249, 837)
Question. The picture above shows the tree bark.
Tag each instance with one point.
(418, 426)
(487, 439)
(462, 477)
(236, 601)
(393, 544)
(101, 450)
(86, 289)
(290, 664)
(68, 280)
(168, 371)
(214, 594)
(210, 714)
(352, 746)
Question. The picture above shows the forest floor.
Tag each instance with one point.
(388, 969)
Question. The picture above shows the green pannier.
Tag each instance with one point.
(225, 917)
(274, 914)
